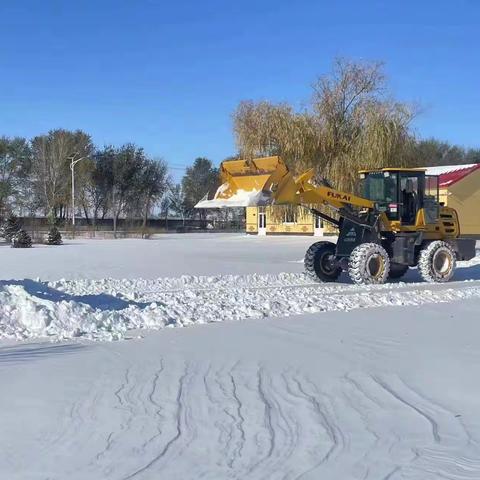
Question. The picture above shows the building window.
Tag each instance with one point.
(262, 217)
(290, 216)
(318, 222)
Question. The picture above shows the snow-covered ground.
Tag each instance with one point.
(88, 305)
(315, 381)
(169, 255)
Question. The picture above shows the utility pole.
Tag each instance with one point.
(73, 162)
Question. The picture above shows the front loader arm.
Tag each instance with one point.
(308, 193)
(267, 181)
(297, 191)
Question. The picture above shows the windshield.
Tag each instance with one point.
(380, 187)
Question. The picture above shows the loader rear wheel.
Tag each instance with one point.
(397, 270)
(320, 262)
(369, 264)
(437, 262)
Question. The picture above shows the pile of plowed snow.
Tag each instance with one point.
(107, 309)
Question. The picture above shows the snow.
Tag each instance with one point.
(242, 198)
(109, 308)
(388, 391)
(441, 170)
(290, 379)
(169, 255)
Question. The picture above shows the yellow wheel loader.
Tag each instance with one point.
(397, 223)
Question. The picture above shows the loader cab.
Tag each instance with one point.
(401, 193)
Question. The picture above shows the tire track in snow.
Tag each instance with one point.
(450, 457)
(303, 431)
(286, 427)
(357, 385)
(158, 408)
(122, 404)
(387, 442)
(362, 414)
(433, 423)
(144, 290)
(179, 421)
(327, 423)
(223, 405)
(446, 413)
(392, 473)
(122, 387)
(213, 402)
(445, 464)
(76, 416)
(241, 419)
(108, 447)
(267, 419)
(231, 405)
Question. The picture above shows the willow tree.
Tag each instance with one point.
(263, 128)
(350, 123)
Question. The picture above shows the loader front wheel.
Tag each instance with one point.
(437, 262)
(369, 264)
(320, 262)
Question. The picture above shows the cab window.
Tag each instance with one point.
(410, 198)
(380, 187)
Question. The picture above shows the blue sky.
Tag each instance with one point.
(167, 75)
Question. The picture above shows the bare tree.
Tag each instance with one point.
(15, 164)
(165, 206)
(98, 185)
(177, 202)
(200, 179)
(153, 183)
(351, 123)
(125, 174)
(50, 167)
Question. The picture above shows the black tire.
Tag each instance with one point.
(318, 262)
(397, 270)
(437, 262)
(369, 264)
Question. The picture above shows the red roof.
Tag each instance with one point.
(450, 174)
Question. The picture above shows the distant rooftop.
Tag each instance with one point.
(450, 174)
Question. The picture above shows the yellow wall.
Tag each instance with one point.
(304, 224)
(251, 220)
(443, 196)
(464, 197)
(275, 222)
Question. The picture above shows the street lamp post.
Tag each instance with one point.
(73, 162)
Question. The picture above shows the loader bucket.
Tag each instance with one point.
(254, 182)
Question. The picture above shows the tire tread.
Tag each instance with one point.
(425, 261)
(356, 264)
(309, 261)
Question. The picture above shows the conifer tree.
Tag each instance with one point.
(10, 227)
(22, 240)
(54, 237)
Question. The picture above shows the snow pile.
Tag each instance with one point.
(241, 198)
(107, 309)
(25, 315)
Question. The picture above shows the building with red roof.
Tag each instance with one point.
(459, 187)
